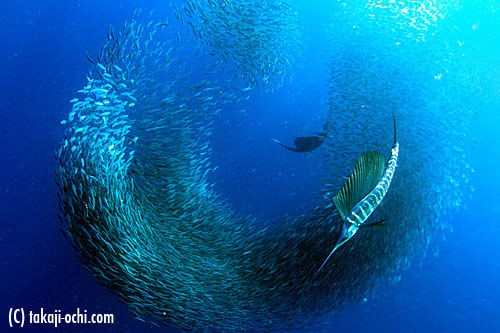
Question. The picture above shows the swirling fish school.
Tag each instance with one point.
(137, 205)
(134, 195)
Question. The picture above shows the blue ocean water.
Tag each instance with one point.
(453, 287)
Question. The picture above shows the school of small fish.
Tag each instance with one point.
(134, 163)
(255, 41)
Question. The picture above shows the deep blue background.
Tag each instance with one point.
(456, 288)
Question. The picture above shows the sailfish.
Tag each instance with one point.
(364, 190)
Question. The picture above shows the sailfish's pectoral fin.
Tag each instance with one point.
(380, 223)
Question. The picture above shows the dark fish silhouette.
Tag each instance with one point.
(305, 144)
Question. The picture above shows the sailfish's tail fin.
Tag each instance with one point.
(394, 123)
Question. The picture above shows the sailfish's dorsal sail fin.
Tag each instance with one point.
(369, 169)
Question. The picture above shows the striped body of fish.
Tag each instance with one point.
(364, 190)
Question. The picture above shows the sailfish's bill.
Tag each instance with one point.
(363, 191)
